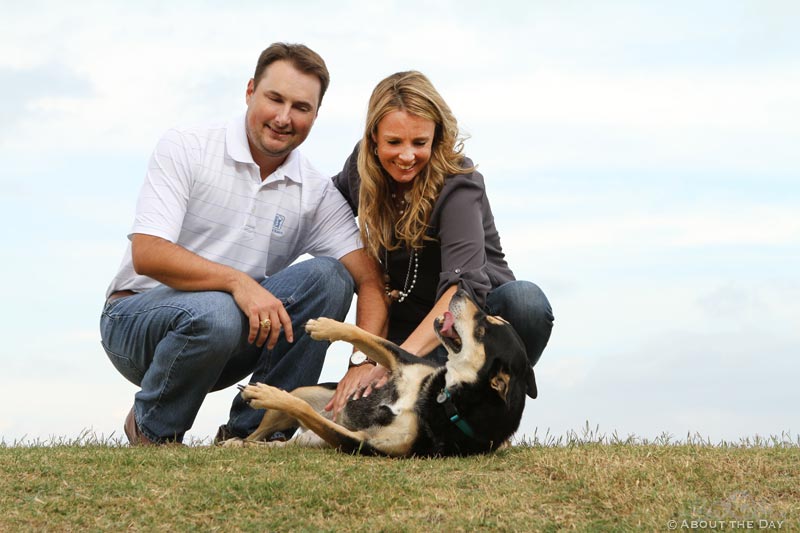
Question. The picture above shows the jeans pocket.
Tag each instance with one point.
(108, 307)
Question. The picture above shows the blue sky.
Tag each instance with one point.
(641, 160)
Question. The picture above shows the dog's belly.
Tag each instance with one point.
(388, 416)
(377, 409)
(398, 396)
(396, 440)
(391, 426)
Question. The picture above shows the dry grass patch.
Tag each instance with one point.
(600, 485)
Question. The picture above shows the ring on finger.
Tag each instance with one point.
(266, 323)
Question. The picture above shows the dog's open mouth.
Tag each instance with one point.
(448, 333)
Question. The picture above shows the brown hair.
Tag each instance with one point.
(300, 56)
(380, 225)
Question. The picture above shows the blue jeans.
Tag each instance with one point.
(179, 346)
(526, 308)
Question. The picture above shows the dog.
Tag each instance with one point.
(470, 405)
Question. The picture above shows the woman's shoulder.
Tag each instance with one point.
(470, 179)
(460, 194)
(348, 180)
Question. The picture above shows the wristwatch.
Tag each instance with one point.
(360, 358)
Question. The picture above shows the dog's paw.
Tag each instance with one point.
(235, 442)
(322, 329)
(260, 396)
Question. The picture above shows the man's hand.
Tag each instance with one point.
(359, 381)
(260, 306)
(177, 267)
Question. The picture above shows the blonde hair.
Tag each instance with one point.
(378, 219)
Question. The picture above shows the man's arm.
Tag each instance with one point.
(372, 312)
(372, 315)
(177, 267)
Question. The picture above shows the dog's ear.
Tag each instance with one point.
(500, 382)
(530, 381)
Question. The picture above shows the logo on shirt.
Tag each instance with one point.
(277, 224)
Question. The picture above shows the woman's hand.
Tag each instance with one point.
(374, 380)
(359, 382)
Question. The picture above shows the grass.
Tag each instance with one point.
(586, 482)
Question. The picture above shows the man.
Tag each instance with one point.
(207, 292)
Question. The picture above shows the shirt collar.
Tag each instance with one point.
(238, 149)
(236, 141)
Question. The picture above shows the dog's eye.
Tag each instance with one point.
(480, 331)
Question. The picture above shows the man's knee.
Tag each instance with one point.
(215, 319)
(333, 273)
(328, 286)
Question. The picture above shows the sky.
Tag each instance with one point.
(640, 157)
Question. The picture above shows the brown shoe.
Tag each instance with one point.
(134, 434)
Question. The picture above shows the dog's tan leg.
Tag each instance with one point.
(263, 396)
(274, 420)
(375, 347)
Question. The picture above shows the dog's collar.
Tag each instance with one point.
(446, 400)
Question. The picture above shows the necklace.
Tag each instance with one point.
(396, 294)
(401, 203)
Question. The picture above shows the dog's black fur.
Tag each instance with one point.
(487, 376)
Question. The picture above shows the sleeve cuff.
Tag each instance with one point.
(475, 282)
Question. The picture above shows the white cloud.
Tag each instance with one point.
(674, 381)
(516, 98)
(739, 119)
(746, 226)
(674, 98)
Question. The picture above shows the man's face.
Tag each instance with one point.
(280, 110)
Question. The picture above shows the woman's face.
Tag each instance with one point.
(404, 145)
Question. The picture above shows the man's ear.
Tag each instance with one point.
(500, 383)
(251, 87)
(530, 381)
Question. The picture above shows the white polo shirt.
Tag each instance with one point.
(204, 192)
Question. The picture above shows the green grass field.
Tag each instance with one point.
(583, 484)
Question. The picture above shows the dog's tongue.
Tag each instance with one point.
(447, 326)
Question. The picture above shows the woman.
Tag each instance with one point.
(424, 215)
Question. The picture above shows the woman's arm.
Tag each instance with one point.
(423, 339)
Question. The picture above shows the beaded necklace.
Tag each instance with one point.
(398, 295)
